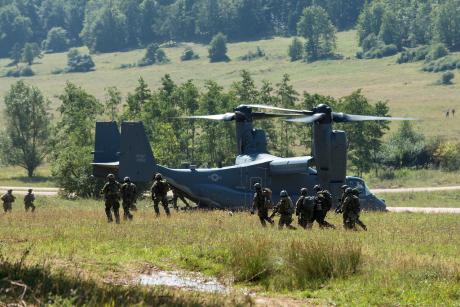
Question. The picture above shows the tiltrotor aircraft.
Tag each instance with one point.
(128, 153)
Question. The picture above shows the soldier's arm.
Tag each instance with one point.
(104, 189)
(298, 206)
(152, 191)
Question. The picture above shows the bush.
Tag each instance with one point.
(153, 55)
(218, 49)
(56, 40)
(378, 52)
(449, 62)
(296, 50)
(446, 78)
(447, 155)
(413, 54)
(371, 41)
(189, 55)
(259, 53)
(437, 51)
(22, 71)
(79, 62)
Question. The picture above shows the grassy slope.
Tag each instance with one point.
(408, 90)
(408, 259)
(448, 199)
(17, 177)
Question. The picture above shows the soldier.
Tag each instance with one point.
(304, 209)
(8, 200)
(159, 192)
(128, 195)
(357, 210)
(261, 202)
(323, 203)
(342, 198)
(29, 201)
(111, 191)
(351, 209)
(285, 208)
(178, 194)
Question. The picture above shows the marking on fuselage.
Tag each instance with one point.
(215, 177)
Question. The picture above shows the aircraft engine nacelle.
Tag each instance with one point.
(288, 166)
(338, 168)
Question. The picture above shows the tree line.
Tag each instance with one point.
(31, 136)
(116, 25)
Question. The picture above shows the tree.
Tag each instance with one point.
(446, 78)
(16, 54)
(14, 29)
(296, 50)
(153, 54)
(112, 101)
(135, 102)
(447, 24)
(218, 49)
(74, 138)
(27, 127)
(56, 40)
(287, 98)
(79, 62)
(189, 55)
(316, 27)
(30, 52)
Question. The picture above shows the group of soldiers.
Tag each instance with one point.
(308, 209)
(8, 199)
(127, 191)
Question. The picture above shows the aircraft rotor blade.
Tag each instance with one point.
(262, 106)
(262, 115)
(307, 119)
(220, 117)
(346, 118)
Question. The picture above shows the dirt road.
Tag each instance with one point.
(37, 191)
(416, 190)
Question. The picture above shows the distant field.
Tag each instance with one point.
(404, 259)
(447, 199)
(17, 177)
(409, 91)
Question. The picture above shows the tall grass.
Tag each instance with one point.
(294, 263)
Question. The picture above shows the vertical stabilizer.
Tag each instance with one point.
(136, 157)
(106, 149)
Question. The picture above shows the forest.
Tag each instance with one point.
(137, 23)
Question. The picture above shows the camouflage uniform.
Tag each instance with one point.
(111, 191)
(128, 195)
(351, 209)
(323, 203)
(29, 201)
(357, 211)
(8, 200)
(177, 194)
(261, 203)
(304, 210)
(159, 192)
(285, 208)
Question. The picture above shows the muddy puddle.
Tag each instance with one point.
(193, 281)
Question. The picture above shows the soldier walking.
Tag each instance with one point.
(261, 202)
(159, 194)
(351, 209)
(29, 201)
(323, 203)
(111, 191)
(8, 200)
(304, 209)
(286, 209)
(357, 210)
(128, 195)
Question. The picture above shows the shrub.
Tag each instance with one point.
(379, 51)
(22, 71)
(259, 53)
(161, 57)
(218, 49)
(296, 50)
(189, 55)
(446, 78)
(413, 54)
(57, 71)
(448, 156)
(79, 62)
(371, 41)
(56, 40)
(449, 62)
(437, 51)
(153, 54)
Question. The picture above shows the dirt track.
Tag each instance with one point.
(416, 190)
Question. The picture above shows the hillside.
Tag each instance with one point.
(408, 90)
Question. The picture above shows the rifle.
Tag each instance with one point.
(275, 211)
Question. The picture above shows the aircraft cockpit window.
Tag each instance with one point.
(361, 186)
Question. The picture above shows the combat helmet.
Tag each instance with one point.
(111, 176)
(158, 176)
(257, 186)
(29, 190)
(304, 191)
(348, 191)
(283, 193)
(317, 188)
(127, 179)
(344, 187)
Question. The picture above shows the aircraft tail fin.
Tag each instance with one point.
(106, 149)
(136, 156)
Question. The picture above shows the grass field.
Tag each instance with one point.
(447, 199)
(17, 177)
(404, 259)
(409, 91)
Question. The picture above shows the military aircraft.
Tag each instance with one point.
(128, 153)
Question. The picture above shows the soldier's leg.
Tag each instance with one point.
(156, 201)
(108, 211)
(302, 222)
(164, 202)
(174, 202)
(288, 223)
(26, 207)
(33, 207)
(281, 223)
(262, 221)
(361, 224)
(116, 211)
(126, 214)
